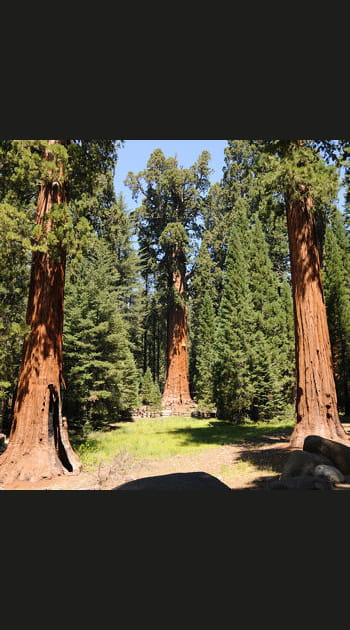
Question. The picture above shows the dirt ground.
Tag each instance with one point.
(246, 466)
(239, 467)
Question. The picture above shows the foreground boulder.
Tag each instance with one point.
(307, 482)
(176, 481)
(330, 472)
(301, 463)
(338, 453)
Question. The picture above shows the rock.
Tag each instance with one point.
(176, 481)
(307, 482)
(329, 472)
(338, 453)
(301, 463)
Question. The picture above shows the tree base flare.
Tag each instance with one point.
(330, 432)
(175, 407)
(33, 466)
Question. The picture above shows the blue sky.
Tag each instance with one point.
(134, 154)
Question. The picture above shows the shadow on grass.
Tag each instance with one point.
(271, 459)
(87, 443)
(236, 434)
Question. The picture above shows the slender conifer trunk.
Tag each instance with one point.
(39, 446)
(316, 398)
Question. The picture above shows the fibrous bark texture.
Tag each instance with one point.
(316, 398)
(176, 394)
(39, 445)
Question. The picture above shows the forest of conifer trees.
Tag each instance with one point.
(232, 296)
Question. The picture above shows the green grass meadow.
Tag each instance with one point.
(166, 436)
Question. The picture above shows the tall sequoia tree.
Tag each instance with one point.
(308, 186)
(39, 445)
(167, 219)
(174, 243)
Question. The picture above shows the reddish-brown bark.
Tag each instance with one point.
(39, 445)
(176, 395)
(316, 398)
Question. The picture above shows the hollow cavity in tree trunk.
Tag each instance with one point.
(39, 445)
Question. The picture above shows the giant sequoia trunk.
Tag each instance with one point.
(316, 398)
(176, 394)
(39, 446)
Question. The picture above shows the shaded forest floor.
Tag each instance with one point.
(248, 465)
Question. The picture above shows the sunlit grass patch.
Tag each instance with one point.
(240, 473)
(143, 438)
(168, 436)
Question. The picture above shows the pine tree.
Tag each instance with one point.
(205, 333)
(100, 372)
(246, 189)
(149, 391)
(14, 281)
(343, 160)
(273, 360)
(337, 295)
(110, 220)
(247, 182)
(218, 216)
(253, 356)
(206, 280)
(286, 342)
(233, 386)
(17, 208)
(155, 336)
(267, 399)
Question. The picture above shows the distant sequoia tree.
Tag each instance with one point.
(172, 204)
(39, 446)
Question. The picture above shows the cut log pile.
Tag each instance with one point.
(322, 464)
